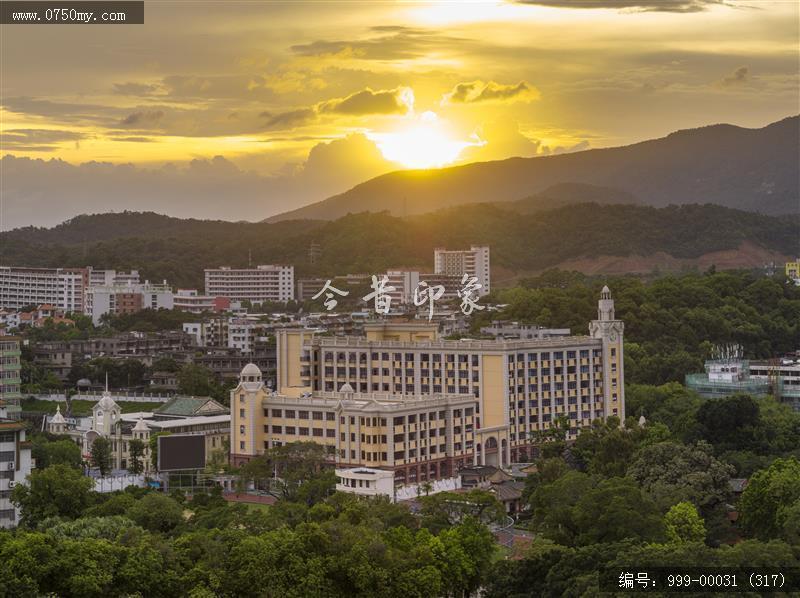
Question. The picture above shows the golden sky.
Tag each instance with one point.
(283, 103)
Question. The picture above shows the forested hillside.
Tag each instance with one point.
(178, 250)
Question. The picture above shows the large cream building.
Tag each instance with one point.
(418, 437)
(519, 387)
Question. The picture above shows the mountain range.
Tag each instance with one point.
(748, 169)
(588, 237)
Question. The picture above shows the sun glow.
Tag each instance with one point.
(425, 144)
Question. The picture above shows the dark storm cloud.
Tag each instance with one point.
(360, 103)
(741, 76)
(291, 118)
(477, 91)
(639, 5)
(135, 89)
(366, 101)
(390, 43)
(61, 111)
(143, 118)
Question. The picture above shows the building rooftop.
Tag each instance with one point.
(189, 421)
(466, 344)
(189, 406)
(370, 401)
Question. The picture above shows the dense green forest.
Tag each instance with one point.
(178, 250)
(672, 322)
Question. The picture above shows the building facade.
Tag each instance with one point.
(793, 270)
(473, 261)
(521, 387)
(256, 285)
(403, 282)
(190, 301)
(15, 464)
(102, 278)
(127, 299)
(417, 437)
(10, 373)
(63, 288)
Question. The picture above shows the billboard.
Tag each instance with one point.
(181, 451)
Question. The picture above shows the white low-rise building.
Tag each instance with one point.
(366, 481)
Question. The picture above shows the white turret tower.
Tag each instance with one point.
(105, 413)
(610, 330)
(57, 424)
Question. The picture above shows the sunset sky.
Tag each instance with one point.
(239, 110)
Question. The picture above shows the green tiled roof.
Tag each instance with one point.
(189, 406)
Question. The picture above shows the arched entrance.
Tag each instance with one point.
(492, 452)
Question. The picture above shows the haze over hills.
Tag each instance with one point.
(586, 237)
(748, 169)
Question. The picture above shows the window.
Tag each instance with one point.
(302, 414)
(303, 431)
(290, 430)
(277, 413)
(290, 414)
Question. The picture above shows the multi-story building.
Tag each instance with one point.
(226, 364)
(63, 288)
(308, 287)
(473, 261)
(793, 270)
(59, 357)
(104, 278)
(189, 300)
(417, 437)
(403, 283)
(10, 371)
(246, 334)
(127, 299)
(521, 386)
(729, 375)
(15, 464)
(256, 285)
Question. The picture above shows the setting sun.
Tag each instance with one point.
(425, 144)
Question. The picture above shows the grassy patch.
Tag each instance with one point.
(81, 407)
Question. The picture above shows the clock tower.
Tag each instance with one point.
(609, 330)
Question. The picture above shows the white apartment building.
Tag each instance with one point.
(232, 332)
(63, 288)
(189, 300)
(126, 299)
(244, 334)
(256, 285)
(404, 283)
(473, 261)
(100, 278)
